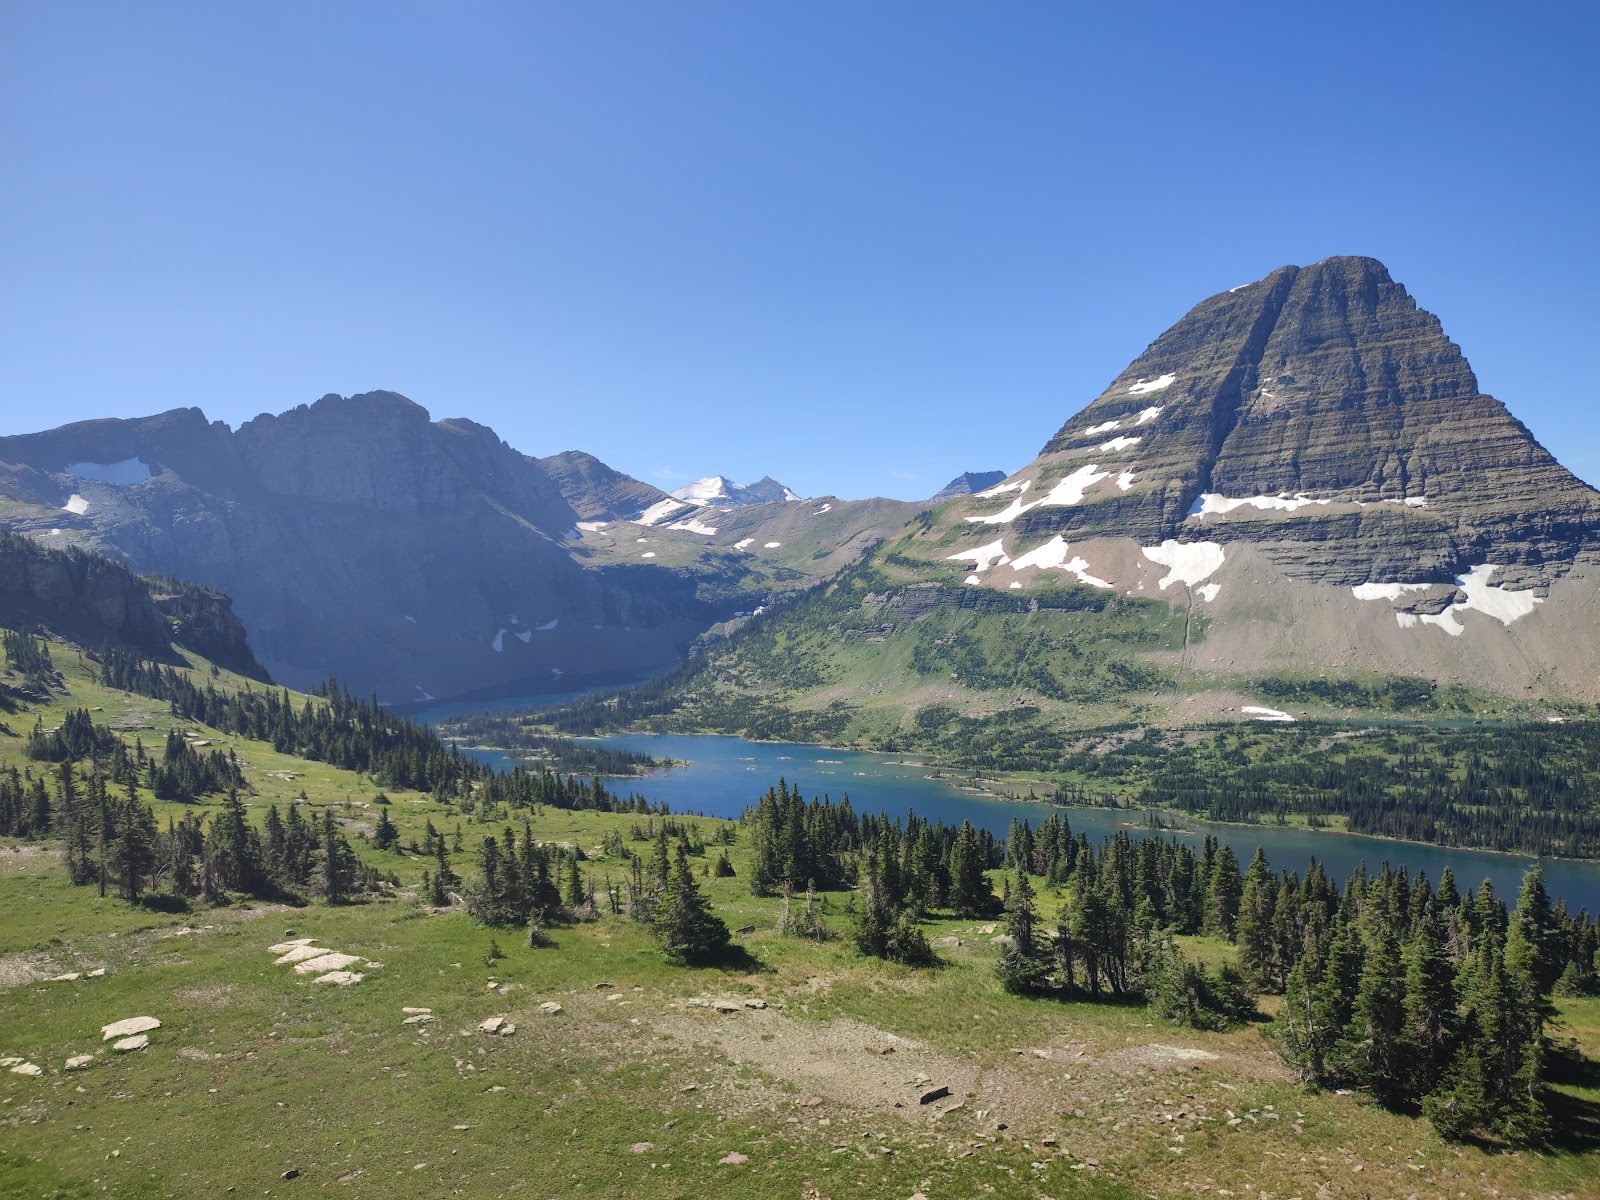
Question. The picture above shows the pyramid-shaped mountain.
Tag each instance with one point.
(1322, 415)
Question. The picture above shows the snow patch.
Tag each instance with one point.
(1154, 385)
(823, 509)
(771, 545)
(413, 620)
(548, 625)
(1482, 596)
(1212, 502)
(499, 642)
(1386, 591)
(1120, 443)
(1071, 489)
(592, 526)
(1001, 489)
(1186, 562)
(660, 511)
(1208, 591)
(648, 554)
(1053, 555)
(1146, 415)
(76, 504)
(744, 542)
(1103, 427)
(694, 525)
(1125, 480)
(983, 557)
(1016, 583)
(1265, 714)
(526, 635)
(125, 473)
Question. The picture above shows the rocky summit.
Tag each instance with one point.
(1303, 470)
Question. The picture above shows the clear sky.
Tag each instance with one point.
(859, 246)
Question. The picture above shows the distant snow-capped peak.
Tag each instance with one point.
(718, 491)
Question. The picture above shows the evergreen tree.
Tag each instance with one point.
(1223, 888)
(1258, 906)
(689, 931)
(1373, 1046)
(1023, 966)
(1430, 1010)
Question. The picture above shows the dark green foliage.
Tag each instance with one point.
(687, 928)
(1185, 993)
(78, 737)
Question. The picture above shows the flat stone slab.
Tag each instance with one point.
(29, 1069)
(508, 1029)
(66, 978)
(551, 1008)
(417, 1019)
(133, 1025)
(491, 1024)
(932, 1094)
(285, 947)
(97, 973)
(725, 1006)
(78, 1061)
(755, 1003)
(137, 1042)
(328, 962)
(340, 978)
(297, 954)
(409, 1009)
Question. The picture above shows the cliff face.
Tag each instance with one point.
(359, 537)
(95, 601)
(1321, 414)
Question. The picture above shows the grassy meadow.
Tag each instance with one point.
(640, 1085)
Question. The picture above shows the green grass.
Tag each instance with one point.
(256, 1071)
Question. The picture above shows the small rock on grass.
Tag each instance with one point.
(932, 1094)
(137, 1042)
(551, 1008)
(724, 1006)
(409, 1009)
(734, 1158)
(29, 1069)
(755, 1003)
(78, 1061)
(641, 1147)
(340, 978)
(417, 1019)
(491, 1024)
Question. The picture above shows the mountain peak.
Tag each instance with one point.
(718, 491)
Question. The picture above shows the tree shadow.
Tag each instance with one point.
(734, 957)
(1574, 1120)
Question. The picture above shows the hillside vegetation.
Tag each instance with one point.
(790, 1063)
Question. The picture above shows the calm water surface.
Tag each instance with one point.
(725, 775)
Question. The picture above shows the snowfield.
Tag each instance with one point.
(983, 557)
(1186, 562)
(1265, 714)
(694, 525)
(1001, 489)
(660, 511)
(1103, 427)
(1125, 480)
(1482, 596)
(1211, 502)
(1155, 385)
(1146, 415)
(75, 504)
(1120, 443)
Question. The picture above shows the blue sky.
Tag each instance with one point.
(860, 247)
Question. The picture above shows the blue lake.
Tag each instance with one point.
(725, 775)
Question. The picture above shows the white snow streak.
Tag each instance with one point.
(1071, 489)
(983, 557)
(592, 526)
(1120, 443)
(1103, 427)
(823, 509)
(1125, 480)
(742, 543)
(526, 635)
(1212, 502)
(1265, 714)
(1000, 489)
(1186, 562)
(1154, 385)
(499, 642)
(694, 525)
(648, 554)
(1208, 591)
(1053, 554)
(772, 545)
(1386, 591)
(76, 504)
(660, 511)
(1148, 414)
(548, 625)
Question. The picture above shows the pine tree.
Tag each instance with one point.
(689, 931)
(337, 879)
(1023, 967)
(1431, 1000)
(1255, 934)
(1373, 1045)
(1222, 894)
